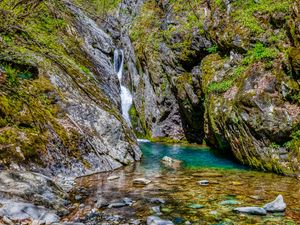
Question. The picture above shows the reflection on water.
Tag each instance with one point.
(185, 199)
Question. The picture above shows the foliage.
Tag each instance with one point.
(247, 13)
(98, 7)
(259, 52)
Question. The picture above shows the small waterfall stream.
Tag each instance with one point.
(126, 97)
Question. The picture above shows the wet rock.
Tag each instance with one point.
(170, 162)
(78, 197)
(141, 181)
(117, 205)
(113, 177)
(230, 202)
(256, 197)
(154, 220)
(196, 206)
(121, 203)
(157, 201)
(278, 205)
(156, 210)
(128, 201)
(203, 182)
(251, 210)
(101, 203)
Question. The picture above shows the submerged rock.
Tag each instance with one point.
(113, 177)
(251, 210)
(157, 201)
(278, 205)
(154, 220)
(141, 181)
(203, 182)
(170, 162)
(230, 202)
(196, 206)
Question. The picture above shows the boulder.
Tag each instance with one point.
(278, 205)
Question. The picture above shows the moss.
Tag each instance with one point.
(246, 13)
(98, 7)
(260, 52)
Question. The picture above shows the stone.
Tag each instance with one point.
(230, 202)
(154, 220)
(141, 181)
(128, 201)
(170, 162)
(117, 205)
(278, 205)
(156, 210)
(101, 203)
(196, 206)
(157, 201)
(78, 197)
(236, 183)
(113, 177)
(251, 210)
(203, 182)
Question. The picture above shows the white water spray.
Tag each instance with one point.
(126, 97)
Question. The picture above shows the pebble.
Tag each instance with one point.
(157, 201)
(156, 210)
(203, 182)
(142, 181)
(113, 177)
(196, 206)
(230, 202)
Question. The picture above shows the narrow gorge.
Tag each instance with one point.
(154, 112)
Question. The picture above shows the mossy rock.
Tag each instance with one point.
(295, 61)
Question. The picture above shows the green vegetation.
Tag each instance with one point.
(98, 7)
(260, 52)
(250, 13)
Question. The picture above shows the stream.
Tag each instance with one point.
(186, 202)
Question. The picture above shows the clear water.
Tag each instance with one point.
(191, 156)
(179, 187)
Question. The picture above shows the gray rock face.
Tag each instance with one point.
(32, 187)
(278, 205)
(154, 220)
(47, 200)
(251, 210)
(18, 211)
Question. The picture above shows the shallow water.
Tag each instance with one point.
(185, 199)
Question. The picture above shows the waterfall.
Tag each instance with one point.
(126, 97)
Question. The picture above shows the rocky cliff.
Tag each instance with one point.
(226, 72)
(59, 98)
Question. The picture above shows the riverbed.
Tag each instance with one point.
(174, 193)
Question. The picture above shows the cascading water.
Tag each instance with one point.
(126, 97)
